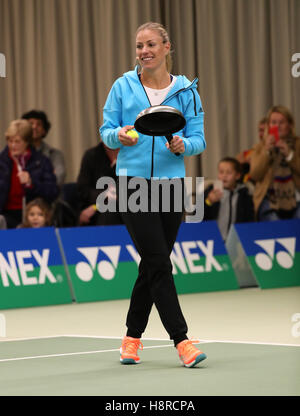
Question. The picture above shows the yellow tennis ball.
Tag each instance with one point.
(133, 134)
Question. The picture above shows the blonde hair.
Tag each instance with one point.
(286, 113)
(44, 207)
(21, 128)
(160, 29)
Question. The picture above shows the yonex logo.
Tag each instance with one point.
(106, 268)
(280, 249)
(18, 267)
(185, 257)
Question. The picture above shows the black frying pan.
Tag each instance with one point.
(160, 120)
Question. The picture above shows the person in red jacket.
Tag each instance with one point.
(25, 174)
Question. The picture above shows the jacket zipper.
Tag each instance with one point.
(152, 151)
(173, 95)
(183, 89)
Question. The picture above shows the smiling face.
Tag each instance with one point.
(151, 50)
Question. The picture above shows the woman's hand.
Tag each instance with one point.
(177, 145)
(270, 142)
(24, 178)
(283, 147)
(124, 138)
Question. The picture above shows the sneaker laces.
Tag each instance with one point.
(131, 345)
(187, 347)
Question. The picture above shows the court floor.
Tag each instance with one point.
(250, 338)
(76, 366)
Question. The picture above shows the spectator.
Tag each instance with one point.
(37, 214)
(41, 126)
(97, 162)
(245, 156)
(25, 174)
(275, 168)
(230, 202)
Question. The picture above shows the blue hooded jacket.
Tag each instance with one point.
(149, 157)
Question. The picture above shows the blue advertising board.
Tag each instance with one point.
(103, 262)
(32, 271)
(268, 251)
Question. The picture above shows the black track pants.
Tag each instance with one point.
(154, 234)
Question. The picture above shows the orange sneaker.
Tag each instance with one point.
(189, 354)
(128, 350)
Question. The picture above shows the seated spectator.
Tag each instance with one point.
(275, 168)
(2, 223)
(245, 156)
(64, 214)
(25, 174)
(41, 126)
(97, 162)
(37, 214)
(228, 201)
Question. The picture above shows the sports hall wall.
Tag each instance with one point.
(62, 56)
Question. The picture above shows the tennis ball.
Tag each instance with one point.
(133, 134)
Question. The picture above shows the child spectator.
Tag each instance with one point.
(228, 201)
(37, 214)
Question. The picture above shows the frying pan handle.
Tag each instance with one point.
(169, 137)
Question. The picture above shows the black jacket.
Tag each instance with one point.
(95, 164)
(42, 176)
(244, 209)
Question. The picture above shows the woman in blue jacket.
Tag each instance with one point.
(153, 231)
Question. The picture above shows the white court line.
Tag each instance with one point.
(152, 339)
(206, 341)
(30, 338)
(249, 342)
(108, 337)
(194, 338)
(116, 350)
(75, 353)
(75, 336)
